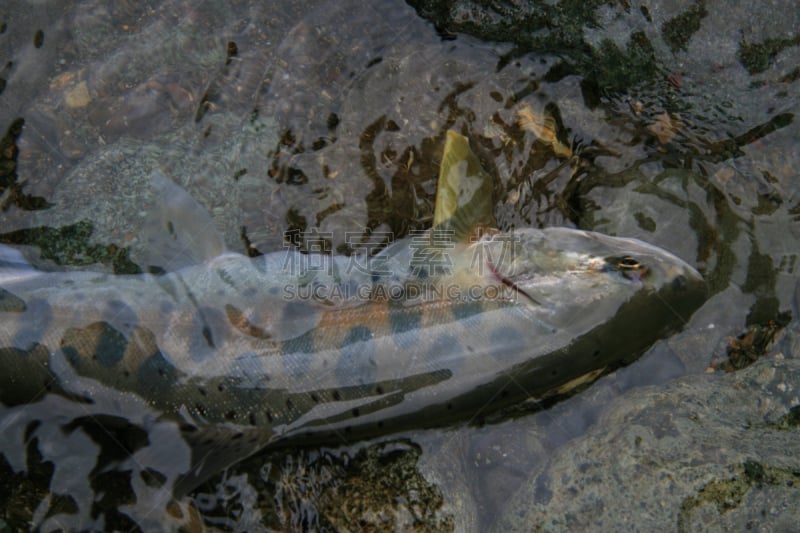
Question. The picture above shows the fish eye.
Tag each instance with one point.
(628, 263)
(628, 266)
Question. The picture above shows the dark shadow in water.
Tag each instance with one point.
(9, 181)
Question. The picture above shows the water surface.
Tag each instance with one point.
(674, 123)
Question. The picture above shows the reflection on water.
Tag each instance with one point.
(676, 127)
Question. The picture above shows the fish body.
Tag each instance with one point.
(218, 345)
(290, 346)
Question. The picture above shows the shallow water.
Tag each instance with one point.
(672, 124)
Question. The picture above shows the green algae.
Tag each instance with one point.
(757, 57)
(70, 245)
(678, 30)
(729, 494)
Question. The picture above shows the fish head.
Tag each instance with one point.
(580, 279)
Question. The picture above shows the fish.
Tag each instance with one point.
(440, 327)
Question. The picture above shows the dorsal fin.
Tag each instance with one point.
(178, 231)
(464, 202)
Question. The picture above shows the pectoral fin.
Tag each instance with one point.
(464, 195)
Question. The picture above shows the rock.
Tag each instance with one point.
(77, 96)
(712, 450)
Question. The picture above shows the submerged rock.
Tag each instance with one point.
(703, 451)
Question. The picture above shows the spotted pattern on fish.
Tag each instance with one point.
(108, 349)
(357, 352)
(214, 356)
(27, 333)
(405, 324)
(301, 349)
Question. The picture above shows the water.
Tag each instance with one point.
(673, 123)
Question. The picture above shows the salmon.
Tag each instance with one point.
(440, 327)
